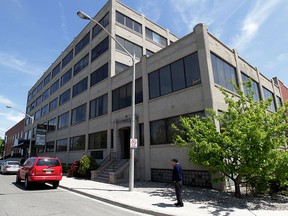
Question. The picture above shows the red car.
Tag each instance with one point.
(40, 170)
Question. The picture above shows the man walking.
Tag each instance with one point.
(178, 181)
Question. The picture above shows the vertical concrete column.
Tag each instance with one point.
(238, 71)
(260, 84)
(205, 64)
(145, 81)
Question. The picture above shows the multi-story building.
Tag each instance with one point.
(84, 98)
(15, 145)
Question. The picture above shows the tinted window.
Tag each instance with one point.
(99, 75)
(47, 162)
(83, 43)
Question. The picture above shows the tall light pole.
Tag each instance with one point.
(83, 15)
(32, 122)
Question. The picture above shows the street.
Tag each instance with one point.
(42, 200)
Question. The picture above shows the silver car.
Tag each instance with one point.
(10, 167)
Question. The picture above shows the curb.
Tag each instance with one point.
(140, 210)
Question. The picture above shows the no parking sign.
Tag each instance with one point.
(133, 143)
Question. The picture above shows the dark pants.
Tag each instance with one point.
(178, 190)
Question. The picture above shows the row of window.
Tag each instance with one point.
(181, 74)
(224, 73)
(160, 130)
(96, 140)
(78, 48)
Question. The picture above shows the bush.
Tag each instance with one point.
(65, 168)
(87, 164)
(73, 171)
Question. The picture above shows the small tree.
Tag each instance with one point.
(1, 146)
(87, 164)
(247, 146)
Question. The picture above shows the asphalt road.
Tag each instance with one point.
(42, 200)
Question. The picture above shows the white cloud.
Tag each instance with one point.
(63, 22)
(5, 101)
(214, 14)
(151, 10)
(16, 63)
(255, 18)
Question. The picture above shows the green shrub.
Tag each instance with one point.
(87, 164)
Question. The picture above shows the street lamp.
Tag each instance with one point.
(83, 15)
(32, 122)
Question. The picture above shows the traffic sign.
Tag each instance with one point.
(133, 143)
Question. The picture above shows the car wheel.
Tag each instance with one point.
(55, 184)
(27, 183)
(18, 180)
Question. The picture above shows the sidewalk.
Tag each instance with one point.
(152, 204)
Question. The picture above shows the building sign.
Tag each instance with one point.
(40, 135)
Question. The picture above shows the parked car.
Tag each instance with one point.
(10, 167)
(40, 170)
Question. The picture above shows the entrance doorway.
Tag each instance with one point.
(124, 135)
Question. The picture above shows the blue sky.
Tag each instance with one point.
(34, 33)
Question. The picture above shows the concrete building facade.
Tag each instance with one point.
(84, 98)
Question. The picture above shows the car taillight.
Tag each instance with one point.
(33, 171)
(7, 166)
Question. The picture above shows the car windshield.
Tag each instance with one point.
(48, 162)
(12, 162)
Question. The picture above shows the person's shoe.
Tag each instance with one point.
(179, 205)
(176, 204)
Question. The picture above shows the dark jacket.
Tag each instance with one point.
(177, 173)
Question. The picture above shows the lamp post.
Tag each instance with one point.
(83, 15)
(32, 122)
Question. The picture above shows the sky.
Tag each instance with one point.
(34, 33)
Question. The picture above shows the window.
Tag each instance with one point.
(63, 120)
(29, 97)
(39, 87)
(37, 115)
(34, 92)
(45, 94)
(176, 76)
(155, 37)
(54, 87)
(50, 146)
(99, 106)
(66, 77)
(61, 145)
(52, 125)
(121, 97)
(104, 22)
(44, 110)
(254, 87)
(99, 75)
(99, 49)
(128, 22)
(78, 114)
(80, 87)
(67, 58)
(33, 105)
(77, 143)
(161, 131)
(64, 97)
(38, 101)
(56, 70)
(82, 44)
(47, 79)
(269, 94)
(119, 67)
(80, 65)
(223, 73)
(53, 104)
(129, 46)
(98, 140)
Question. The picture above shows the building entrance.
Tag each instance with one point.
(124, 135)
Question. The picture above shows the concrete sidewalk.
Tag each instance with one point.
(150, 203)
